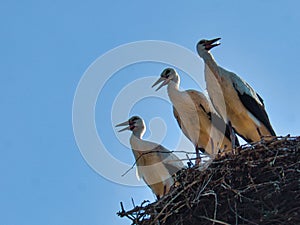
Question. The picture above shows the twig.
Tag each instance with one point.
(258, 185)
(214, 220)
(154, 151)
(176, 196)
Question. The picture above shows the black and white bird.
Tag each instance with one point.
(155, 164)
(233, 98)
(195, 116)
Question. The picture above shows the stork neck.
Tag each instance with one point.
(173, 89)
(135, 142)
(211, 63)
(139, 133)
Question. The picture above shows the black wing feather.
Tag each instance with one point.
(257, 110)
(260, 99)
(220, 124)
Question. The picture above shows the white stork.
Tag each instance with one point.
(155, 164)
(234, 99)
(198, 121)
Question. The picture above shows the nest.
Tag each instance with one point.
(258, 184)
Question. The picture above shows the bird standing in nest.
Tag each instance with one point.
(233, 98)
(195, 116)
(155, 164)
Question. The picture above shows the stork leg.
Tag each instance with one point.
(232, 135)
(165, 189)
(198, 159)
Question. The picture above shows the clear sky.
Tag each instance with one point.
(46, 46)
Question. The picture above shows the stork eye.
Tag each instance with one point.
(167, 73)
(134, 118)
(202, 42)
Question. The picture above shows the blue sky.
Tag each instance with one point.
(46, 46)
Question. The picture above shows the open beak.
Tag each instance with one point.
(212, 43)
(164, 82)
(124, 124)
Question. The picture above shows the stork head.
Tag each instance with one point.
(169, 74)
(206, 45)
(135, 124)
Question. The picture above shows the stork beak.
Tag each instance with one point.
(124, 124)
(164, 82)
(211, 43)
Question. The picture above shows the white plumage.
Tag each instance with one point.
(155, 164)
(198, 121)
(234, 99)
